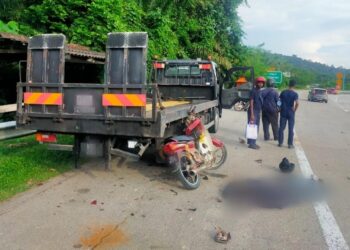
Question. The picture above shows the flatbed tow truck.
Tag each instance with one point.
(121, 113)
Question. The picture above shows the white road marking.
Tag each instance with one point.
(331, 232)
(339, 105)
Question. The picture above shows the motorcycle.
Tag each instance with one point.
(241, 105)
(193, 152)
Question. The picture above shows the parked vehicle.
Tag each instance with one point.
(117, 116)
(193, 152)
(318, 95)
(332, 91)
(238, 95)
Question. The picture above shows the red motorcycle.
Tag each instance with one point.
(193, 152)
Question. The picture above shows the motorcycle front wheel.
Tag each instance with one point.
(220, 157)
(188, 178)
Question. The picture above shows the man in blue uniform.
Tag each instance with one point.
(270, 110)
(255, 105)
(289, 105)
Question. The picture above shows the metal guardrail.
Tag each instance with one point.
(11, 124)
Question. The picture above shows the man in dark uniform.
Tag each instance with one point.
(270, 110)
(255, 105)
(289, 105)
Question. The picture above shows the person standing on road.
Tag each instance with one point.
(255, 105)
(289, 105)
(270, 110)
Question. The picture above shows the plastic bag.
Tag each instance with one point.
(252, 131)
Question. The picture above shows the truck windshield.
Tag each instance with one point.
(182, 70)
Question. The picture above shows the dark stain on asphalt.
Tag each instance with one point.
(83, 190)
(103, 237)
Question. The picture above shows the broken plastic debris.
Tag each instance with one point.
(222, 236)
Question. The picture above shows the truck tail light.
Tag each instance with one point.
(206, 66)
(158, 65)
(51, 138)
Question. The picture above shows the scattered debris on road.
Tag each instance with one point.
(77, 245)
(258, 161)
(222, 236)
(192, 209)
(241, 140)
(172, 190)
(178, 209)
(348, 178)
(218, 200)
(94, 202)
(205, 177)
(83, 190)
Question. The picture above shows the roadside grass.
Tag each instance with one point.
(25, 163)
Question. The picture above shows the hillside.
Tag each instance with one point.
(306, 72)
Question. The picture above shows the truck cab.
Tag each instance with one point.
(189, 80)
(186, 79)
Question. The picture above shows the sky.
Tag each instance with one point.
(318, 30)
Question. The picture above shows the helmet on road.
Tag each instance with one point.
(260, 79)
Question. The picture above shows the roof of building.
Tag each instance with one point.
(71, 49)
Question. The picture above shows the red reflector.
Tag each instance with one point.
(205, 66)
(159, 65)
(45, 137)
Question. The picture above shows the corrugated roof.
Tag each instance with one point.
(72, 49)
(79, 50)
(14, 37)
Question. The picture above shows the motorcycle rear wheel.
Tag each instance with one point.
(220, 157)
(189, 179)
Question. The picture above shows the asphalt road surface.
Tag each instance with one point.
(137, 205)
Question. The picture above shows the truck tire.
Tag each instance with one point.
(213, 129)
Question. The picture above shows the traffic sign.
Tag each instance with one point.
(275, 75)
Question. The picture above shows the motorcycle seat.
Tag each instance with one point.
(183, 138)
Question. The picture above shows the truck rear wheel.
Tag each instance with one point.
(213, 129)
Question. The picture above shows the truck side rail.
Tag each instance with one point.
(79, 101)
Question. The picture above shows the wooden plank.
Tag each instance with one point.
(8, 108)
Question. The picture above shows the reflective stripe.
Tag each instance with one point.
(124, 100)
(43, 98)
